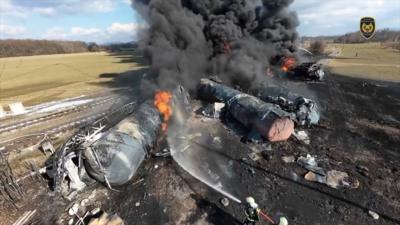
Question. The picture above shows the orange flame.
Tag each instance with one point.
(288, 64)
(162, 101)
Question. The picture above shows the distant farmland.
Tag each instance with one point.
(369, 60)
(37, 79)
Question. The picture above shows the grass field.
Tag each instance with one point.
(37, 79)
(368, 60)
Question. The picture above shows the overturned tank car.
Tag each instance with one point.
(113, 148)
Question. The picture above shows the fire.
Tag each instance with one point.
(288, 63)
(162, 101)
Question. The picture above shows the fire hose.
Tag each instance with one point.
(266, 217)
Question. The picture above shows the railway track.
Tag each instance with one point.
(83, 121)
(30, 122)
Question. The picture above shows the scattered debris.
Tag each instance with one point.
(47, 146)
(72, 171)
(267, 155)
(93, 194)
(362, 170)
(311, 176)
(337, 179)
(24, 219)
(82, 214)
(225, 202)
(307, 112)
(73, 210)
(304, 111)
(84, 202)
(71, 195)
(302, 136)
(288, 159)
(310, 164)
(213, 110)
(216, 140)
(267, 147)
(254, 156)
(138, 182)
(373, 214)
(334, 179)
(106, 219)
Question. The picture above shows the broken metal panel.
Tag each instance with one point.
(305, 111)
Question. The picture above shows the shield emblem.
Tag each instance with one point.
(367, 27)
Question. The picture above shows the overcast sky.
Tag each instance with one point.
(106, 21)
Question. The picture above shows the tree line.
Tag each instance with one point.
(384, 35)
(12, 47)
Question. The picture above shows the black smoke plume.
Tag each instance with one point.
(234, 39)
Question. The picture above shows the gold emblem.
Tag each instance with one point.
(367, 27)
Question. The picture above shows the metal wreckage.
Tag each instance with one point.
(113, 148)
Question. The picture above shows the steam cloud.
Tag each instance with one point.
(234, 39)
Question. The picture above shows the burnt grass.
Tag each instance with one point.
(359, 134)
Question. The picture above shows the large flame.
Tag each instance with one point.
(162, 101)
(288, 64)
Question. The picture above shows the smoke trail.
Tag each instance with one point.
(235, 39)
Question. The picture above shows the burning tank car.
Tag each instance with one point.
(308, 71)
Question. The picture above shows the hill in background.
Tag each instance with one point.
(384, 35)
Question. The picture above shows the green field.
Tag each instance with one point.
(37, 79)
(368, 60)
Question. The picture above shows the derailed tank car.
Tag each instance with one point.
(116, 156)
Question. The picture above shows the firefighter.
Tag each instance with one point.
(252, 212)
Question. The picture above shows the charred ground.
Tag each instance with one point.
(359, 129)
